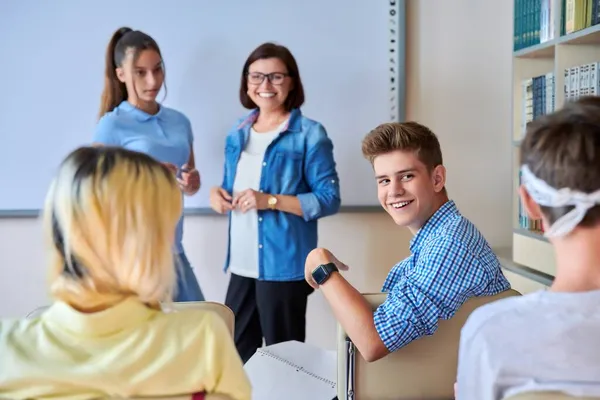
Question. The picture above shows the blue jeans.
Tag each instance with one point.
(188, 288)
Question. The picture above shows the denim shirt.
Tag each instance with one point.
(299, 162)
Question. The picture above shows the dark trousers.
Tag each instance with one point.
(269, 309)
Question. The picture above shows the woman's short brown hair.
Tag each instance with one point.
(295, 98)
(563, 149)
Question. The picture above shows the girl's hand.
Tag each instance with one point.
(190, 180)
(171, 167)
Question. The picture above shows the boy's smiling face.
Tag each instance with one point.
(406, 189)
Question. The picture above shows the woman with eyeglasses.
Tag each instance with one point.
(279, 179)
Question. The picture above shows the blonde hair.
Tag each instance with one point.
(110, 216)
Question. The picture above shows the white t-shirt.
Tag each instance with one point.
(243, 258)
(543, 341)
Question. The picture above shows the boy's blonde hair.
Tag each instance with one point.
(110, 216)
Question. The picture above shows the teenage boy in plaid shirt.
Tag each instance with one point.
(450, 260)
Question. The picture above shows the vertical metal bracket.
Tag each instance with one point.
(350, 365)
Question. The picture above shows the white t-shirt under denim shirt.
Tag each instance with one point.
(244, 226)
(543, 341)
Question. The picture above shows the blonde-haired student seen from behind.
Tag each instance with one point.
(110, 219)
(548, 340)
(450, 259)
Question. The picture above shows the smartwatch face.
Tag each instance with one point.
(319, 274)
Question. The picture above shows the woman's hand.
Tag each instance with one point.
(249, 199)
(220, 200)
(190, 180)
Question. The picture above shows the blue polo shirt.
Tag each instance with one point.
(166, 136)
(450, 262)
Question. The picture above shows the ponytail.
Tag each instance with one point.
(114, 91)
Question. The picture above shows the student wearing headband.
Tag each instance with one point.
(548, 340)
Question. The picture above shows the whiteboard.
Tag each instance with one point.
(350, 55)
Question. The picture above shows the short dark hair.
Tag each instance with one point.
(295, 98)
(404, 136)
(563, 149)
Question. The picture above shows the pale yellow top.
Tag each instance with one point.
(128, 350)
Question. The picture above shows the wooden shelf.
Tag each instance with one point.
(542, 50)
(590, 35)
(531, 234)
(587, 36)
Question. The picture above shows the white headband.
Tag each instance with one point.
(546, 195)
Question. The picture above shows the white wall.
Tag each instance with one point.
(459, 88)
(459, 83)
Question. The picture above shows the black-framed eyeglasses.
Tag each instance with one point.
(276, 78)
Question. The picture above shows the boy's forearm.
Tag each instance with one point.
(355, 315)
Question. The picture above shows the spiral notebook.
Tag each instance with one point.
(292, 370)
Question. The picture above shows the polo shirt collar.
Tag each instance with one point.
(129, 313)
(445, 212)
(138, 114)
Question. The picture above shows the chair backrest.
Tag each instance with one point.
(424, 369)
(208, 396)
(547, 396)
(220, 309)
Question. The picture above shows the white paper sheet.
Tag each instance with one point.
(292, 371)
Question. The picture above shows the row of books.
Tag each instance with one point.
(580, 14)
(534, 19)
(539, 92)
(582, 80)
(525, 222)
(539, 98)
(533, 22)
(538, 95)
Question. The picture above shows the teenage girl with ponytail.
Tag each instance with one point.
(130, 117)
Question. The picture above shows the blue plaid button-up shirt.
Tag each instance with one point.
(450, 262)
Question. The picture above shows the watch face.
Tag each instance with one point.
(319, 274)
(272, 200)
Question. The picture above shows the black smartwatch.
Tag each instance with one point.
(323, 272)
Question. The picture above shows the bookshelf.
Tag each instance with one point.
(556, 58)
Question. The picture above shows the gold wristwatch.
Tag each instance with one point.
(272, 202)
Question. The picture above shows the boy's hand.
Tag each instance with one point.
(318, 257)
